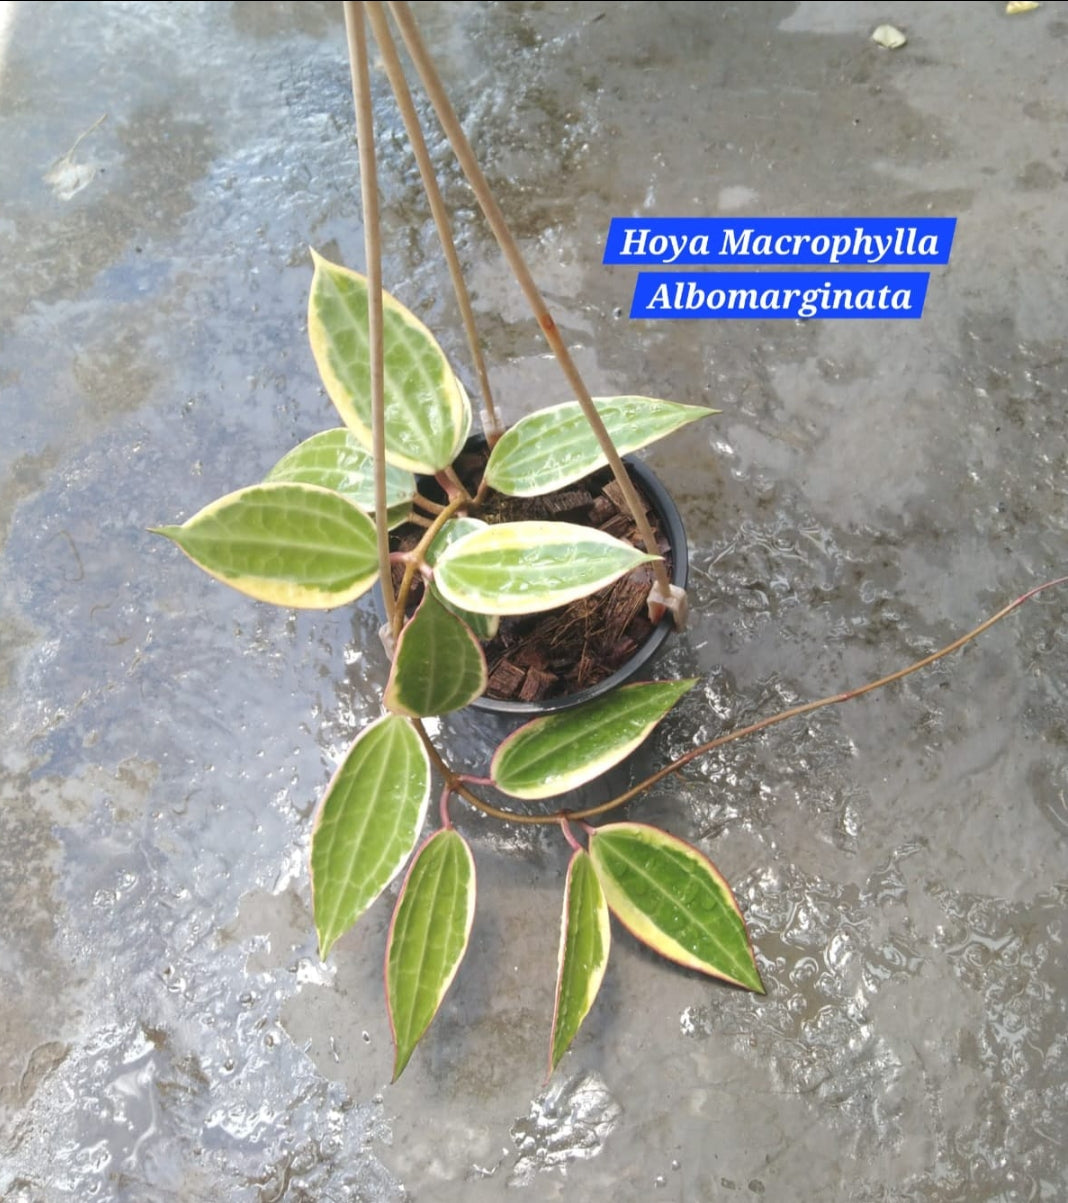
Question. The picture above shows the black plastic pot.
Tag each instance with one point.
(671, 524)
(481, 726)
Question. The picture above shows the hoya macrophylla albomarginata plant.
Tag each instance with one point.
(304, 536)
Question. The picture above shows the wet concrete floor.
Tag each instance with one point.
(871, 490)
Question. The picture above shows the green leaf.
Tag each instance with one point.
(526, 567)
(556, 446)
(368, 823)
(485, 626)
(291, 544)
(584, 942)
(428, 938)
(334, 459)
(428, 415)
(560, 752)
(672, 899)
(438, 666)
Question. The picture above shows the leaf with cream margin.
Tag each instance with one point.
(427, 412)
(672, 898)
(585, 939)
(367, 824)
(438, 666)
(428, 938)
(334, 459)
(560, 752)
(527, 567)
(291, 544)
(556, 446)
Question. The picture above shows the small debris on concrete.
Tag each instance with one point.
(889, 36)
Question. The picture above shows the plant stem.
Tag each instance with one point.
(365, 137)
(452, 483)
(416, 558)
(565, 827)
(509, 247)
(807, 707)
(424, 503)
(395, 74)
(455, 781)
(443, 807)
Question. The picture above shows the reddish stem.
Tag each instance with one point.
(443, 807)
(565, 827)
(794, 711)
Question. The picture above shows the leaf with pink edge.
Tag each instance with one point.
(428, 938)
(585, 939)
(673, 899)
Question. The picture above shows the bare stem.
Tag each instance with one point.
(509, 247)
(424, 503)
(807, 707)
(443, 807)
(395, 75)
(415, 559)
(365, 137)
(569, 835)
(456, 781)
(452, 484)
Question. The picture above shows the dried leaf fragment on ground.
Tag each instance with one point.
(889, 36)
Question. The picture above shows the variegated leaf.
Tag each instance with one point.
(427, 413)
(368, 823)
(334, 459)
(428, 938)
(585, 938)
(527, 567)
(560, 752)
(556, 446)
(291, 544)
(672, 898)
(438, 665)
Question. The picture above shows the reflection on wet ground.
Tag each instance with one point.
(870, 491)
